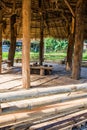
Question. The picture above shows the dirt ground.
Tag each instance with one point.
(11, 78)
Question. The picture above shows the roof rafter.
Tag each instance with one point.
(70, 8)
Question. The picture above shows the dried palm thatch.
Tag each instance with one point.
(56, 15)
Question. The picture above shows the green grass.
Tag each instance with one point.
(85, 55)
(17, 55)
(52, 56)
(55, 56)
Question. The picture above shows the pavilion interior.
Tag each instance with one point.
(27, 99)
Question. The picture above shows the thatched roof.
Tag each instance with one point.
(56, 15)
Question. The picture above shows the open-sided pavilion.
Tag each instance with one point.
(40, 18)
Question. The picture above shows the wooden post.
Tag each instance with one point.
(0, 44)
(26, 43)
(13, 40)
(0, 40)
(70, 47)
(41, 54)
(79, 33)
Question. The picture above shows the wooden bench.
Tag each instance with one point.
(41, 69)
(18, 60)
(8, 62)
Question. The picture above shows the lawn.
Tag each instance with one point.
(51, 56)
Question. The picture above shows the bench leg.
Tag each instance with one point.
(50, 72)
(41, 72)
(8, 64)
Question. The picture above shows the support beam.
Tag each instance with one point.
(0, 45)
(41, 42)
(0, 40)
(26, 43)
(41, 54)
(70, 8)
(79, 33)
(13, 40)
(70, 46)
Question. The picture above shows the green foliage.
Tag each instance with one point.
(35, 46)
(52, 44)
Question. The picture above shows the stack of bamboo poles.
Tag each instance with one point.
(44, 107)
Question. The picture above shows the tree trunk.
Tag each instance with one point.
(78, 40)
(70, 47)
(26, 43)
(13, 40)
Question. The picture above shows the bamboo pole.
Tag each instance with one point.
(6, 120)
(68, 125)
(26, 43)
(37, 92)
(38, 102)
(62, 119)
(26, 123)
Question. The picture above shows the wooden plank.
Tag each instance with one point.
(50, 123)
(69, 125)
(26, 123)
(41, 69)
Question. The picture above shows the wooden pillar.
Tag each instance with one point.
(0, 40)
(0, 45)
(70, 46)
(26, 43)
(41, 42)
(13, 40)
(41, 54)
(79, 32)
